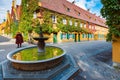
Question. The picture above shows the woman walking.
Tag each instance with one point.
(19, 39)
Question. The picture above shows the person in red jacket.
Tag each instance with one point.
(19, 39)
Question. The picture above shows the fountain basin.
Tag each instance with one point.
(36, 64)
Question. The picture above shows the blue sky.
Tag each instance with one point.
(4, 6)
(93, 5)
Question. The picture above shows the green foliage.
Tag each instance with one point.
(14, 28)
(47, 22)
(68, 28)
(111, 12)
(28, 8)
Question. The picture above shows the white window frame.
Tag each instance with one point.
(70, 22)
(64, 21)
(81, 25)
(76, 23)
(54, 19)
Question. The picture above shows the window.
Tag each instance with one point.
(70, 35)
(70, 22)
(80, 24)
(54, 19)
(75, 23)
(82, 35)
(84, 25)
(78, 14)
(93, 27)
(64, 21)
(68, 9)
(90, 27)
(64, 36)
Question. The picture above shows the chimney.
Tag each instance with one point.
(88, 9)
(73, 2)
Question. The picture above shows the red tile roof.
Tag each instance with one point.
(61, 5)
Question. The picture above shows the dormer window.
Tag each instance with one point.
(54, 19)
(78, 14)
(68, 9)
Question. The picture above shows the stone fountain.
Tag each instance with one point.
(41, 41)
(62, 67)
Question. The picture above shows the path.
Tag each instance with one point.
(85, 55)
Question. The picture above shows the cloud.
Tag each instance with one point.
(18, 2)
(81, 3)
(2, 16)
(94, 6)
(92, 3)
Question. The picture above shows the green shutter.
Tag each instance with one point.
(67, 35)
(90, 35)
(82, 35)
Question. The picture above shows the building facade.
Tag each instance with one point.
(65, 13)
(69, 22)
(12, 16)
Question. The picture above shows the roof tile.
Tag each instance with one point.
(60, 7)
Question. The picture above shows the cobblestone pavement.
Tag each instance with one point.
(7, 45)
(3, 39)
(84, 54)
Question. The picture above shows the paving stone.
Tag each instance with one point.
(84, 53)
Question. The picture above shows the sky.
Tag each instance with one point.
(93, 5)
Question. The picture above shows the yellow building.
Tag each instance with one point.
(93, 27)
(2, 26)
(65, 14)
(10, 17)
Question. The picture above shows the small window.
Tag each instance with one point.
(64, 21)
(70, 35)
(75, 23)
(70, 22)
(93, 27)
(64, 36)
(80, 24)
(54, 19)
(90, 27)
(84, 25)
(78, 14)
(68, 9)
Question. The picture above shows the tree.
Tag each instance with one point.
(111, 12)
(26, 19)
